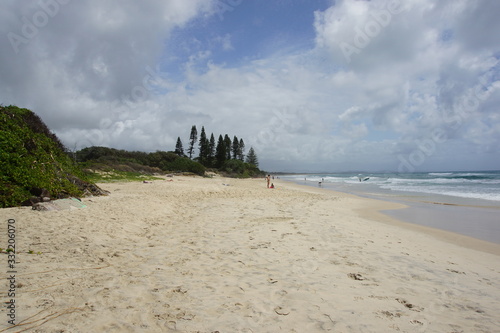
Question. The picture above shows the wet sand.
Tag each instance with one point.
(474, 218)
(477, 222)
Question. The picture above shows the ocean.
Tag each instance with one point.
(467, 203)
(450, 187)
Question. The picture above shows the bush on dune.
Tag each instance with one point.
(33, 159)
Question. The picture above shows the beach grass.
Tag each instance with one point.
(114, 176)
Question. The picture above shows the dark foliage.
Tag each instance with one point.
(148, 163)
(36, 125)
(240, 169)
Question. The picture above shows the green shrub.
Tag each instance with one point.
(32, 157)
(240, 169)
(184, 164)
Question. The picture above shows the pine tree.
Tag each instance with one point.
(192, 139)
(178, 147)
(211, 150)
(220, 153)
(241, 150)
(252, 157)
(236, 147)
(227, 141)
(204, 147)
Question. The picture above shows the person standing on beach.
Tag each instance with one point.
(268, 179)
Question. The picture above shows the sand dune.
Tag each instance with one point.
(225, 255)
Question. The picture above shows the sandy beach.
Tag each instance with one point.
(191, 254)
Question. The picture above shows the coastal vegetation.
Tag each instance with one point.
(99, 160)
(226, 157)
(36, 166)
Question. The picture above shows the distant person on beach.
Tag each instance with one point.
(268, 179)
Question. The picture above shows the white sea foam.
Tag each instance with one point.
(474, 185)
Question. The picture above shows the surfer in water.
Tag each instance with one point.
(361, 179)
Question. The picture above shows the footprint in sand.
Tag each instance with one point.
(356, 276)
(455, 271)
(281, 311)
(409, 305)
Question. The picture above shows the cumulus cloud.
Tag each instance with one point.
(94, 52)
(419, 69)
(383, 77)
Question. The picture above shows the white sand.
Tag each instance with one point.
(193, 255)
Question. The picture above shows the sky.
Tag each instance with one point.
(311, 85)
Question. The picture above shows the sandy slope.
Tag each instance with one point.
(194, 255)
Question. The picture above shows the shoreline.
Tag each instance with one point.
(216, 254)
(438, 217)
